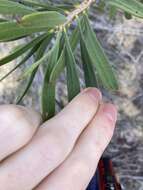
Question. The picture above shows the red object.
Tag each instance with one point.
(106, 175)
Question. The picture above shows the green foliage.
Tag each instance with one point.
(98, 57)
(89, 72)
(29, 24)
(41, 48)
(44, 19)
(48, 89)
(9, 7)
(133, 7)
(46, 22)
(72, 76)
(24, 48)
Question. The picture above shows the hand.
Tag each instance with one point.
(61, 154)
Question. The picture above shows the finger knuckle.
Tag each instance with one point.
(54, 147)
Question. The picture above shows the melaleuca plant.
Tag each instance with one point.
(43, 22)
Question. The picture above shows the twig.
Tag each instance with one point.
(79, 9)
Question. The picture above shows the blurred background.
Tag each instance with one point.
(122, 40)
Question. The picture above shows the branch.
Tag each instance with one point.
(79, 9)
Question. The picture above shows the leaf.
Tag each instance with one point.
(41, 50)
(89, 71)
(45, 19)
(21, 50)
(73, 84)
(65, 6)
(12, 30)
(48, 88)
(21, 62)
(133, 7)
(99, 58)
(74, 39)
(9, 7)
(37, 63)
(34, 3)
(34, 66)
(28, 85)
(48, 108)
(29, 24)
(47, 6)
(58, 68)
(16, 48)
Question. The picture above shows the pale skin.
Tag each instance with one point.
(61, 153)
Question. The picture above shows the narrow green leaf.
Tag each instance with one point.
(16, 48)
(29, 24)
(89, 71)
(74, 39)
(13, 30)
(34, 66)
(32, 3)
(37, 63)
(45, 19)
(16, 38)
(99, 58)
(58, 68)
(73, 84)
(65, 6)
(48, 109)
(21, 50)
(133, 7)
(9, 7)
(48, 89)
(41, 50)
(47, 6)
(21, 62)
(27, 87)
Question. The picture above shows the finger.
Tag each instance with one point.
(17, 126)
(76, 172)
(51, 145)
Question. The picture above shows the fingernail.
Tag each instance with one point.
(94, 93)
(110, 112)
